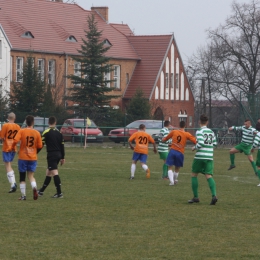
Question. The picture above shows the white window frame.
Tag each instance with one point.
(51, 72)
(177, 80)
(19, 69)
(117, 72)
(107, 77)
(40, 68)
(77, 71)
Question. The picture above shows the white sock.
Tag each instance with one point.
(11, 178)
(23, 188)
(133, 167)
(33, 184)
(176, 174)
(145, 167)
(170, 175)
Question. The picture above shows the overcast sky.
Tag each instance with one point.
(187, 19)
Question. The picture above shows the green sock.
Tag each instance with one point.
(232, 159)
(212, 186)
(195, 185)
(254, 166)
(165, 171)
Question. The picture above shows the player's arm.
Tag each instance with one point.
(191, 138)
(151, 140)
(132, 137)
(169, 136)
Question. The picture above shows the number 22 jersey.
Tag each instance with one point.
(142, 140)
(30, 141)
(8, 133)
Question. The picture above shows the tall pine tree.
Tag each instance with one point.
(90, 89)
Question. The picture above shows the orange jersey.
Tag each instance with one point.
(179, 139)
(8, 133)
(142, 140)
(30, 141)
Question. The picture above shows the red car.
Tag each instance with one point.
(74, 130)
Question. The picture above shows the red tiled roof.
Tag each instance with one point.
(51, 23)
(152, 50)
(123, 28)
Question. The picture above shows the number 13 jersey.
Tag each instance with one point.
(30, 141)
(142, 140)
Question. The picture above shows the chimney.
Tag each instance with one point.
(102, 11)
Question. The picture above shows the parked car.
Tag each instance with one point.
(74, 130)
(40, 123)
(122, 134)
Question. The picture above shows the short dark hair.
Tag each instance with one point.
(52, 120)
(182, 124)
(166, 123)
(204, 119)
(29, 120)
(142, 126)
(246, 120)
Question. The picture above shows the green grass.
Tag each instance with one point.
(103, 215)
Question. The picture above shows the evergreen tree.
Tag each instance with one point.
(90, 89)
(28, 95)
(138, 107)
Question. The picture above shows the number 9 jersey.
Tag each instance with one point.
(142, 140)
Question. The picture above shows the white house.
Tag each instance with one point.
(5, 63)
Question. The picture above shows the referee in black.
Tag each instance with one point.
(55, 154)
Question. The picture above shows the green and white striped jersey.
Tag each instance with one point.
(206, 140)
(163, 147)
(247, 134)
(256, 143)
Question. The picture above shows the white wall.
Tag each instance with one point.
(5, 64)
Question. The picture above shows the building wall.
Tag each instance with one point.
(5, 67)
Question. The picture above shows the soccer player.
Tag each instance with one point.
(163, 147)
(246, 144)
(8, 132)
(142, 140)
(55, 155)
(176, 154)
(256, 144)
(203, 160)
(30, 144)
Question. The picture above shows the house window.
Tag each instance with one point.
(41, 68)
(19, 69)
(107, 78)
(0, 49)
(77, 72)
(117, 77)
(11, 68)
(177, 80)
(167, 80)
(127, 78)
(51, 72)
(172, 80)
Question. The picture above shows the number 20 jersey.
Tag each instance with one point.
(142, 140)
(30, 140)
(8, 133)
(206, 141)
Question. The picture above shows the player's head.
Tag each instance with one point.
(203, 119)
(52, 120)
(182, 124)
(247, 123)
(257, 126)
(11, 116)
(166, 123)
(142, 127)
(29, 120)
(258, 120)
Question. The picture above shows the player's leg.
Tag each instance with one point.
(209, 166)
(31, 168)
(170, 162)
(258, 165)
(170, 175)
(22, 175)
(232, 153)
(178, 162)
(143, 159)
(251, 160)
(176, 174)
(163, 156)
(8, 158)
(197, 167)
(45, 183)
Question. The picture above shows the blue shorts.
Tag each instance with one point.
(175, 158)
(8, 156)
(139, 157)
(27, 166)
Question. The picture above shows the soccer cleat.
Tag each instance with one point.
(22, 198)
(165, 178)
(231, 167)
(175, 181)
(35, 194)
(40, 193)
(148, 175)
(258, 185)
(13, 189)
(214, 200)
(131, 178)
(194, 200)
(57, 196)
(171, 184)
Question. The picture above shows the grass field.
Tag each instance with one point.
(104, 215)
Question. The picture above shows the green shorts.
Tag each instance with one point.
(258, 159)
(244, 148)
(163, 155)
(202, 166)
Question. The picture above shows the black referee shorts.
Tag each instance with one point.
(53, 159)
